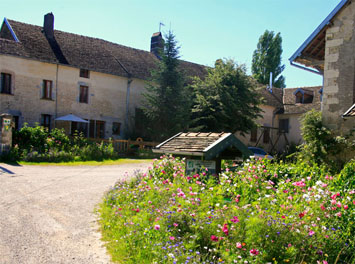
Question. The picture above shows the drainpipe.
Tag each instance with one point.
(128, 91)
(56, 92)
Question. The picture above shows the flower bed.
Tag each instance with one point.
(257, 214)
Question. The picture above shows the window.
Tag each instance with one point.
(283, 125)
(5, 83)
(266, 138)
(253, 134)
(307, 99)
(116, 128)
(79, 127)
(46, 121)
(16, 121)
(84, 94)
(47, 89)
(304, 97)
(299, 98)
(97, 129)
(84, 73)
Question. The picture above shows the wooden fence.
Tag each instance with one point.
(123, 146)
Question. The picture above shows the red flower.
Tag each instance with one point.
(214, 238)
(301, 214)
(225, 229)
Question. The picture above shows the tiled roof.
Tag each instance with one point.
(289, 100)
(207, 145)
(84, 52)
(273, 98)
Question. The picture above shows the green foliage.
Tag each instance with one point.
(261, 213)
(37, 144)
(321, 146)
(165, 101)
(346, 177)
(225, 100)
(267, 59)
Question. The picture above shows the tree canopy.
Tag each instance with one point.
(164, 97)
(267, 59)
(225, 100)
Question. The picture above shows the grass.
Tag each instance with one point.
(87, 163)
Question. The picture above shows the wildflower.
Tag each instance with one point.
(346, 206)
(239, 245)
(172, 238)
(157, 227)
(235, 219)
(311, 233)
(225, 229)
(254, 252)
(214, 238)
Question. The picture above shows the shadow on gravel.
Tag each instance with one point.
(4, 170)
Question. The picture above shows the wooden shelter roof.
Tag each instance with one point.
(205, 145)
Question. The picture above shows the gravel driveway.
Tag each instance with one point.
(46, 212)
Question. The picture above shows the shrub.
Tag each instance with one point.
(256, 214)
(37, 144)
(321, 146)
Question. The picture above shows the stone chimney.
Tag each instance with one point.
(48, 25)
(157, 43)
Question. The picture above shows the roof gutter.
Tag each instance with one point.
(325, 22)
(305, 68)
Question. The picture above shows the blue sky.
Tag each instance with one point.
(206, 29)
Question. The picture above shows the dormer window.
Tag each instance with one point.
(303, 96)
(84, 73)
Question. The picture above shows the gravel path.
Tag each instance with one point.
(46, 212)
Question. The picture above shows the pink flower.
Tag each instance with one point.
(172, 238)
(346, 206)
(214, 238)
(175, 224)
(311, 233)
(157, 227)
(239, 245)
(225, 229)
(235, 219)
(254, 252)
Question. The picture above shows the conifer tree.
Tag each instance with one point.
(164, 106)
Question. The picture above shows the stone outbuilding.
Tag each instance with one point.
(330, 51)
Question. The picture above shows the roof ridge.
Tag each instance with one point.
(79, 35)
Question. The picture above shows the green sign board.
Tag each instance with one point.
(196, 166)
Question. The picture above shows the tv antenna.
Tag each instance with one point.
(161, 24)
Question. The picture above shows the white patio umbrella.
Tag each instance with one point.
(71, 118)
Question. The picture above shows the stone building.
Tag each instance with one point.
(330, 52)
(280, 122)
(47, 73)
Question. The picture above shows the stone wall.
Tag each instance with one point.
(339, 71)
(107, 93)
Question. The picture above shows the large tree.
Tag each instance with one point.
(225, 100)
(267, 59)
(164, 106)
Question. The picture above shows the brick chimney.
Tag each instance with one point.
(157, 43)
(48, 25)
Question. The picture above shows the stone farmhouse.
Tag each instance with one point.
(47, 73)
(330, 52)
(280, 125)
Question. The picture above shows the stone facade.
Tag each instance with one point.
(339, 70)
(107, 99)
